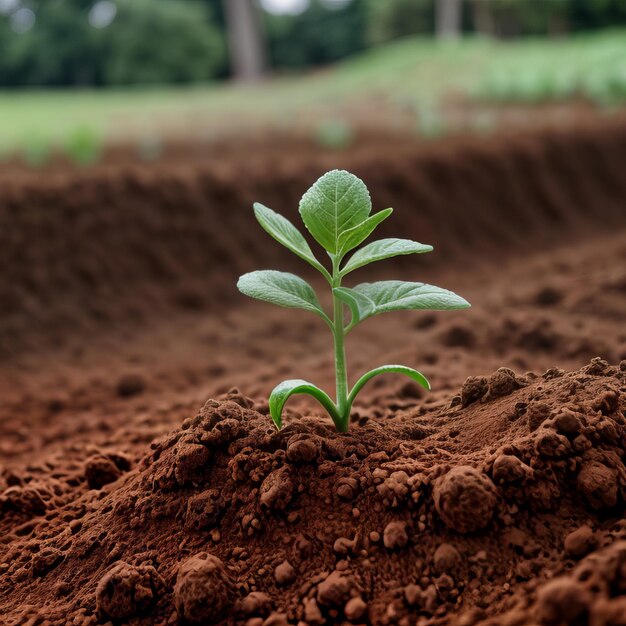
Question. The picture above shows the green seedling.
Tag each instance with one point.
(334, 134)
(336, 211)
(83, 145)
(36, 150)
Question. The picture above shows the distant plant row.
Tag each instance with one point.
(594, 73)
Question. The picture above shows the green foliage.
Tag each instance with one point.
(383, 249)
(156, 41)
(281, 288)
(83, 145)
(546, 74)
(61, 48)
(416, 73)
(334, 134)
(319, 35)
(175, 41)
(36, 150)
(336, 211)
(391, 19)
(337, 203)
(148, 41)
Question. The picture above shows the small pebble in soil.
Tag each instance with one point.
(127, 591)
(598, 483)
(465, 499)
(277, 490)
(395, 535)
(579, 542)
(285, 573)
(256, 603)
(203, 591)
(509, 469)
(355, 609)
(334, 591)
(101, 470)
(562, 601)
(447, 559)
(130, 385)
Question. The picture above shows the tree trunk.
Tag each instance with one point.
(448, 19)
(245, 39)
(484, 23)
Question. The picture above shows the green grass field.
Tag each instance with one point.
(415, 72)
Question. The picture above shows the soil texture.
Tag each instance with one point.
(127, 496)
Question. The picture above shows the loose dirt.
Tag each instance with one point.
(496, 499)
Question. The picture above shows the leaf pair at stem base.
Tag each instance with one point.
(283, 391)
(336, 211)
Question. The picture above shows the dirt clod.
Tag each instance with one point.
(203, 591)
(277, 490)
(579, 542)
(447, 559)
(598, 484)
(395, 535)
(285, 573)
(510, 469)
(561, 602)
(101, 470)
(334, 591)
(355, 609)
(130, 385)
(465, 499)
(127, 591)
(256, 603)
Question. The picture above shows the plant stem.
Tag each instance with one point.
(341, 375)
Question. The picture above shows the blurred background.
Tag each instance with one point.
(81, 77)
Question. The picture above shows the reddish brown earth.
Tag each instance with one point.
(498, 498)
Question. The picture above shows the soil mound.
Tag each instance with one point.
(506, 506)
(95, 249)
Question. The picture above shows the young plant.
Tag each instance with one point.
(336, 211)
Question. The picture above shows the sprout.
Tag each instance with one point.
(336, 211)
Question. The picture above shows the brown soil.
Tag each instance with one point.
(498, 498)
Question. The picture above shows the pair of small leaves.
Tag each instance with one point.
(369, 299)
(283, 391)
(283, 231)
(365, 300)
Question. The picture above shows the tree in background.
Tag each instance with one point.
(321, 34)
(143, 41)
(120, 42)
(512, 18)
(245, 39)
(58, 48)
(448, 19)
(152, 41)
(398, 18)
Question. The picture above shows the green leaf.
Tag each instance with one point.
(283, 391)
(418, 377)
(360, 305)
(337, 202)
(350, 239)
(280, 288)
(383, 249)
(281, 229)
(397, 295)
